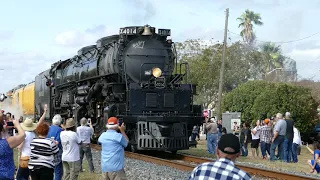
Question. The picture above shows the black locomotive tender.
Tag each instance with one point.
(130, 76)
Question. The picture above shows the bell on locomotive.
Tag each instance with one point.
(147, 31)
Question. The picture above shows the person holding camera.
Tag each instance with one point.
(112, 154)
(71, 152)
(7, 167)
(9, 126)
(25, 148)
(85, 132)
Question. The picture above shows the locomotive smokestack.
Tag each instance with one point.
(147, 31)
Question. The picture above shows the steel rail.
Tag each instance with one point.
(251, 170)
(198, 160)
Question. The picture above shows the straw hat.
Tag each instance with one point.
(69, 123)
(28, 125)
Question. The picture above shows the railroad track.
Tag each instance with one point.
(190, 162)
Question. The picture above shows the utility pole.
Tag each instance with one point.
(222, 66)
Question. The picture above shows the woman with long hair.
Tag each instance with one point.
(244, 139)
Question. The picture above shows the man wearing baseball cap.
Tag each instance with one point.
(265, 138)
(224, 168)
(112, 154)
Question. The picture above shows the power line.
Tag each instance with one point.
(281, 42)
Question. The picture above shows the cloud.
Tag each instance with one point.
(293, 19)
(309, 69)
(310, 54)
(144, 10)
(308, 44)
(21, 68)
(6, 35)
(87, 37)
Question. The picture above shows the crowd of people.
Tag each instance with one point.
(272, 134)
(265, 135)
(56, 151)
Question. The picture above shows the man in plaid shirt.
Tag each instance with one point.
(266, 137)
(224, 168)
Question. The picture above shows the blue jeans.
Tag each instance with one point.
(212, 142)
(277, 142)
(244, 149)
(58, 171)
(295, 152)
(287, 149)
(85, 149)
(265, 147)
(194, 136)
(219, 135)
(278, 153)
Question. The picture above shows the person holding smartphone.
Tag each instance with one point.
(84, 132)
(7, 167)
(71, 151)
(112, 154)
(9, 126)
(25, 148)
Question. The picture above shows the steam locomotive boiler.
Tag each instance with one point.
(133, 76)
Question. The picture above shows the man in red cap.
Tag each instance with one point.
(112, 154)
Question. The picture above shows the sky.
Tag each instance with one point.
(35, 34)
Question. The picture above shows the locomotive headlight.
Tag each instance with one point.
(156, 72)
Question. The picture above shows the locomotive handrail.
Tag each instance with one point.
(187, 69)
(175, 56)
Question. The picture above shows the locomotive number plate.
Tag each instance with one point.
(164, 32)
(128, 31)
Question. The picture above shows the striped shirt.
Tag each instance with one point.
(43, 153)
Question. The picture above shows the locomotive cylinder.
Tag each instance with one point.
(82, 90)
(81, 100)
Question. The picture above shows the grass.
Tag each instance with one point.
(301, 166)
(85, 175)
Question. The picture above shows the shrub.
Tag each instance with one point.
(261, 99)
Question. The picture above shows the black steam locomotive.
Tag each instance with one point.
(131, 76)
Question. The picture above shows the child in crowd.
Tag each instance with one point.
(314, 163)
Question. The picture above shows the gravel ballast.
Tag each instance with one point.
(142, 170)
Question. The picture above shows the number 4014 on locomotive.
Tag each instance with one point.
(132, 75)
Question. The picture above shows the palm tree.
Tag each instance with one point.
(273, 57)
(247, 19)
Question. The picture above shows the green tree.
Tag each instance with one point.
(259, 97)
(204, 60)
(242, 98)
(272, 56)
(247, 19)
(314, 86)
